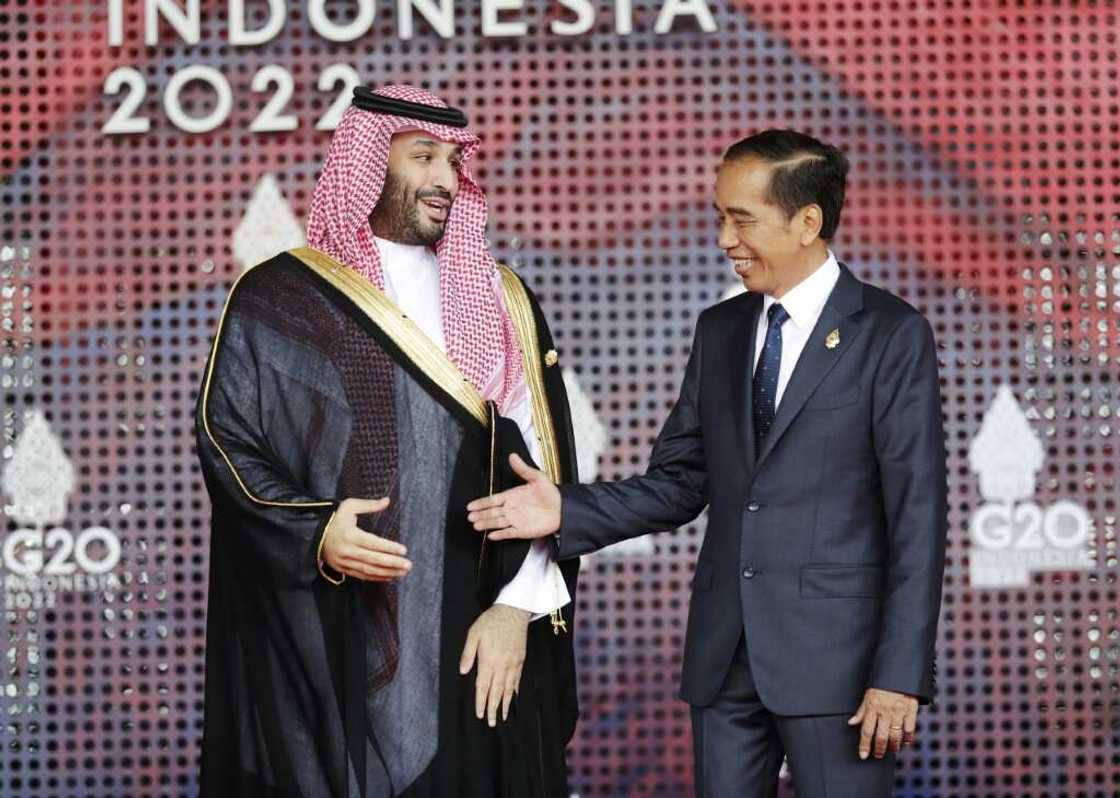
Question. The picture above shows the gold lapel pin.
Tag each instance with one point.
(833, 340)
(551, 357)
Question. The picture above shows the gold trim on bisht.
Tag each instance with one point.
(521, 313)
(403, 331)
(229, 463)
(319, 555)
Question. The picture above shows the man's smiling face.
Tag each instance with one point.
(763, 245)
(421, 183)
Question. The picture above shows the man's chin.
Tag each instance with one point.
(432, 235)
(751, 283)
(429, 233)
(755, 281)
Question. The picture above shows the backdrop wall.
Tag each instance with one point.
(153, 149)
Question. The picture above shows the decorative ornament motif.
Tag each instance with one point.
(268, 227)
(1012, 535)
(1005, 453)
(39, 478)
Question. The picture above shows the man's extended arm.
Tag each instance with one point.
(672, 491)
(290, 536)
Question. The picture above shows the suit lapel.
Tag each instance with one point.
(817, 360)
(741, 343)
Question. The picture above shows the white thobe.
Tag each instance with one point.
(412, 282)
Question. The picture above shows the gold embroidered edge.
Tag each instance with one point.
(319, 556)
(521, 312)
(402, 330)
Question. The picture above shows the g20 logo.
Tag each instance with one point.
(1028, 527)
(58, 552)
(1012, 536)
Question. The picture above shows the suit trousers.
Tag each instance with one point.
(738, 747)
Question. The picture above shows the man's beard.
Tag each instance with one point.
(396, 217)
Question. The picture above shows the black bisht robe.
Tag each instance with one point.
(318, 389)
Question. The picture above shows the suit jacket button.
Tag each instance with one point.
(753, 506)
(748, 573)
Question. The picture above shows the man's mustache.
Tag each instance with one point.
(437, 193)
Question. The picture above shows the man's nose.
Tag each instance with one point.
(727, 239)
(446, 178)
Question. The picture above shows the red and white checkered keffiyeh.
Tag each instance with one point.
(479, 334)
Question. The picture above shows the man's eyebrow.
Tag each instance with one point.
(429, 143)
(740, 212)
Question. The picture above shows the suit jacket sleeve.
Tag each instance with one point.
(910, 447)
(672, 491)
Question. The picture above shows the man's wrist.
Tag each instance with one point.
(328, 572)
(518, 611)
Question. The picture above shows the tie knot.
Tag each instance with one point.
(777, 315)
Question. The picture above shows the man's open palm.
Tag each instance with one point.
(352, 551)
(529, 511)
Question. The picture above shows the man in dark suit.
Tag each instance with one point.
(809, 423)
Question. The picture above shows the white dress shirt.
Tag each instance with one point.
(412, 282)
(804, 303)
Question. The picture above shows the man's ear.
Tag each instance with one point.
(811, 219)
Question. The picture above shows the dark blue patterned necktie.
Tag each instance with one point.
(764, 392)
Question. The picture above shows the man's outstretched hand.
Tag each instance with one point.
(529, 511)
(354, 552)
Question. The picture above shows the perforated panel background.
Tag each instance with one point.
(986, 160)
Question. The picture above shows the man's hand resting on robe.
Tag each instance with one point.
(351, 550)
(497, 641)
(529, 511)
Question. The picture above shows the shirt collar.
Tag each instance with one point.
(391, 251)
(411, 272)
(804, 301)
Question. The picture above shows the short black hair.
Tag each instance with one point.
(806, 172)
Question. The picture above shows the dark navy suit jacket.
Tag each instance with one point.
(827, 542)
